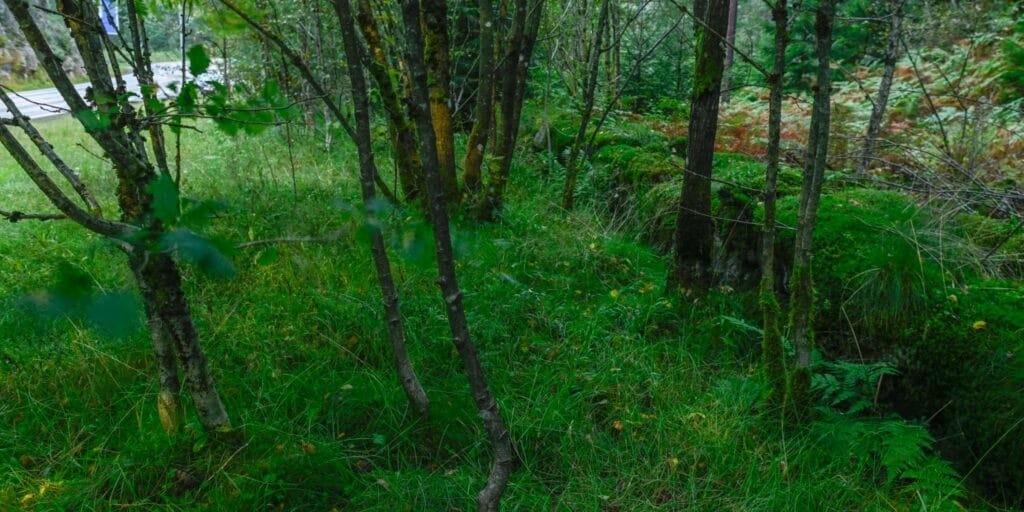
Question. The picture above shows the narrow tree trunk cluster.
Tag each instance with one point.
(512, 94)
(501, 444)
(771, 346)
(892, 53)
(367, 169)
(589, 91)
(802, 301)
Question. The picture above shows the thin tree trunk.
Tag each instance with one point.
(489, 498)
(367, 170)
(436, 43)
(802, 303)
(771, 343)
(892, 53)
(571, 171)
(694, 233)
(730, 36)
(472, 178)
(159, 281)
(513, 92)
(169, 397)
(402, 132)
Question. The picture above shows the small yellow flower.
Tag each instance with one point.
(673, 462)
(614, 294)
(979, 325)
(953, 299)
(618, 425)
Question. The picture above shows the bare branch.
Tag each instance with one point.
(760, 69)
(47, 150)
(55, 194)
(16, 216)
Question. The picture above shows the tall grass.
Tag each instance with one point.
(617, 397)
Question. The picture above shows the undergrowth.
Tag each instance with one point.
(617, 397)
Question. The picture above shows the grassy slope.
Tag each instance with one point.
(616, 398)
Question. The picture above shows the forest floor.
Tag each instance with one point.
(617, 398)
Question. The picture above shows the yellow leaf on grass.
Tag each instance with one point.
(308, 447)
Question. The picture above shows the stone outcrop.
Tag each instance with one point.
(18, 61)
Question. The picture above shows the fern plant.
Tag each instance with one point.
(850, 387)
(900, 452)
(1012, 74)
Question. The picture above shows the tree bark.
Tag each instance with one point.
(694, 233)
(525, 25)
(367, 170)
(802, 302)
(401, 131)
(892, 53)
(593, 71)
(159, 280)
(168, 401)
(438, 61)
(472, 177)
(489, 498)
(730, 35)
(771, 343)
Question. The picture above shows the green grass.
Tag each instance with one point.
(616, 397)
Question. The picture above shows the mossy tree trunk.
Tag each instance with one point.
(159, 280)
(438, 60)
(802, 302)
(472, 177)
(501, 444)
(694, 232)
(400, 129)
(771, 343)
(367, 169)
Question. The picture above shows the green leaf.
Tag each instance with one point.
(198, 60)
(188, 98)
(166, 198)
(93, 120)
(200, 251)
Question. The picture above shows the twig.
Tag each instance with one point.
(330, 237)
(724, 40)
(16, 216)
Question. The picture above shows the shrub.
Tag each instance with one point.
(910, 288)
(673, 108)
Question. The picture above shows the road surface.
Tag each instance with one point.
(45, 103)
